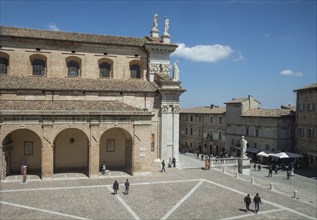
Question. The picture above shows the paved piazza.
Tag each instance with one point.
(176, 194)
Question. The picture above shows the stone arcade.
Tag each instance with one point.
(69, 101)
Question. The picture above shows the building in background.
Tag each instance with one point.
(70, 101)
(306, 123)
(269, 130)
(202, 129)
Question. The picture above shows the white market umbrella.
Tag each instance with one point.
(280, 155)
(262, 154)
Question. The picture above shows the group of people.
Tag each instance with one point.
(256, 200)
(171, 162)
(116, 187)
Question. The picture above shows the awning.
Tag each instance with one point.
(282, 155)
(262, 154)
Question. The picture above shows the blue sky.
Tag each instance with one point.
(227, 49)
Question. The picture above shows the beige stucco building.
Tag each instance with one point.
(203, 129)
(69, 101)
(269, 130)
(306, 123)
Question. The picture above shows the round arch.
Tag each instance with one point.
(22, 146)
(71, 148)
(116, 149)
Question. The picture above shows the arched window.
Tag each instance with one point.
(135, 72)
(38, 67)
(73, 69)
(104, 69)
(4, 63)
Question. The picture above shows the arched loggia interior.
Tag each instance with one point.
(116, 150)
(22, 146)
(71, 151)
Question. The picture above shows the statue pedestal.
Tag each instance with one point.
(244, 165)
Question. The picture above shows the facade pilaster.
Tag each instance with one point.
(94, 143)
(47, 155)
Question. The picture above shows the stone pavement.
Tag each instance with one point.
(184, 193)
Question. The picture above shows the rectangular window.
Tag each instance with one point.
(309, 133)
(186, 131)
(211, 119)
(247, 131)
(257, 132)
(220, 135)
(110, 145)
(191, 118)
(199, 118)
(210, 134)
(28, 148)
(254, 145)
(220, 119)
(191, 131)
(300, 132)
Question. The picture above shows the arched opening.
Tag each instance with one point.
(22, 146)
(4, 63)
(38, 62)
(105, 68)
(73, 66)
(71, 152)
(116, 150)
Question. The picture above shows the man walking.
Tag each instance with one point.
(127, 185)
(247, 201)
(163, 166)
(115, 187)
(257, 201)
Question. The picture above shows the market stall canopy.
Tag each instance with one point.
(282, 155)
(262, 154)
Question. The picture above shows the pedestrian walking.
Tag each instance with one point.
(174, 162)
(163, 166)
(127, 185)
(115, 187)
(103, 168)
(259, 167)
(270, 171)
(257, 201)
(247, 201)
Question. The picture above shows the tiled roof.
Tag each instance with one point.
(311, 86)
(74, 84)
(69, 36)
(236, 100)
(269, 113)
(79, 37)
(205, 110)
(67, 107)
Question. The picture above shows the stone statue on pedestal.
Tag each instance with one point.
(155, 23)
(176, 72)
(243, 143)
(166, 26)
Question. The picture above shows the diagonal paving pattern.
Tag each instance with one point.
(179, 199)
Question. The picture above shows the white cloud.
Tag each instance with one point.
(288, 72)
(203, 53)
(53, 27)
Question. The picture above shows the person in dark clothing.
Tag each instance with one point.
(127, 185)
(270, 171)
(174, 162)
(163, 166)
(115, 187)
(257, 201)
(247, 201)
